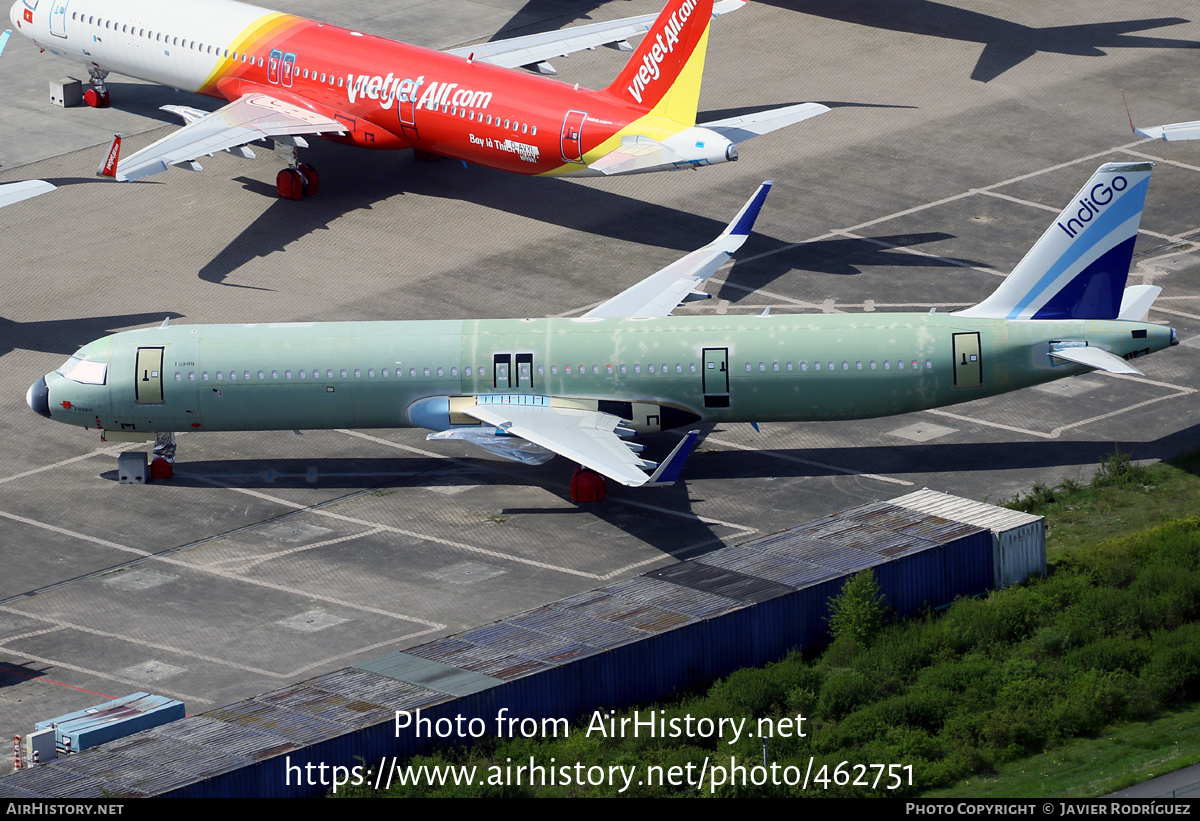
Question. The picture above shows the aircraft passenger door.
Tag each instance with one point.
(148, 386)
(58, 18)
(716, 377)
(273, 61)
(525, 371)
(572, 134)
(501, 370)
(289, 69)
(968, 364)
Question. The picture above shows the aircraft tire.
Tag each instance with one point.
(96, 99)
(312, 180)
(587, 486)
(289, 184)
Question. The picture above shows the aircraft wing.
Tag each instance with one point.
(1171, 132)
(250, 117)
(17, 191)
(661, 293)
(584, 436)
(535, 49)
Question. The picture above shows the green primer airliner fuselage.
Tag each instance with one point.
(671, 370)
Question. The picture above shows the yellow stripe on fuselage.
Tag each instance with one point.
(254, 39)
(674, 112)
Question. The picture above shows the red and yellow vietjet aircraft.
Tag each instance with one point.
(286, 77)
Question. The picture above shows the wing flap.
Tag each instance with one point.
(250, 117)
(584, 436)
(661, 292)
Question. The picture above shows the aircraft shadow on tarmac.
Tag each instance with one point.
(840, 257)
(1005, 44)
(65, 336)
(12, 675)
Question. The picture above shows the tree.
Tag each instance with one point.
(858, 612)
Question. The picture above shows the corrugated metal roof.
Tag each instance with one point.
(728, 583)
(958, 509)
(431, 674)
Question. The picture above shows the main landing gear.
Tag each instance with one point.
(97, 95)
(298, 179)
(587, 486)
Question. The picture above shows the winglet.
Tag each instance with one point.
(743, 223)
(4, 39)
(108, 168)
(672, 466)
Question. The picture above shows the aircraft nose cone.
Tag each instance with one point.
(38, 397)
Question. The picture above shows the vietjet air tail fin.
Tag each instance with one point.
(663, 75)
(1077, 270)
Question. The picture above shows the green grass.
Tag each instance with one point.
(1117, 758)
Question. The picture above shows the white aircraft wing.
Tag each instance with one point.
(17, 191)
(584, 436)
(536, 49)
(661, 293)
(740, 129)
(1171, 132)
(251, 117)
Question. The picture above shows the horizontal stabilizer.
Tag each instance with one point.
(661, 293)
(637, 154)
(17, 191)
(1172, 132)
(532, 49)
(1096, 358)
(748, 126)
(1137, 301)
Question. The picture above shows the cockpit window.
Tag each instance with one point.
(83, 371)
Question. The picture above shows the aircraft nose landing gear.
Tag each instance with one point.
(97, 95)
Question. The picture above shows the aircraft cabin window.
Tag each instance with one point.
(900, 364)
(441, 372)
(858, 365)
(762, 367)
(467, 370)
(90, 20)
(816, 366)
(287, 374)
(178, 376)
(246, 375)
(525, 128)
(191, 376)
(803, 366)
(322, 77)
(220, 376)
(534, 131)
(622, 367)
(541, 370)
(262, 375)
(872, 364)
(506, 123)
(141, 32)
(489, 119)
(329, 374)
(370, 373)
(554, 370)
(204, 376)
(345, 373)
(650, 368)
(454, 371)
(412, 371)
(887, 364)
(830, 366)
(845, 365)
(302, 374)
(341, 80)
(226, 54)
(775, 366)
(692, 367)
(789, 367)
(233, 376)
(637, 368)
(928, 364)
(358, 373)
